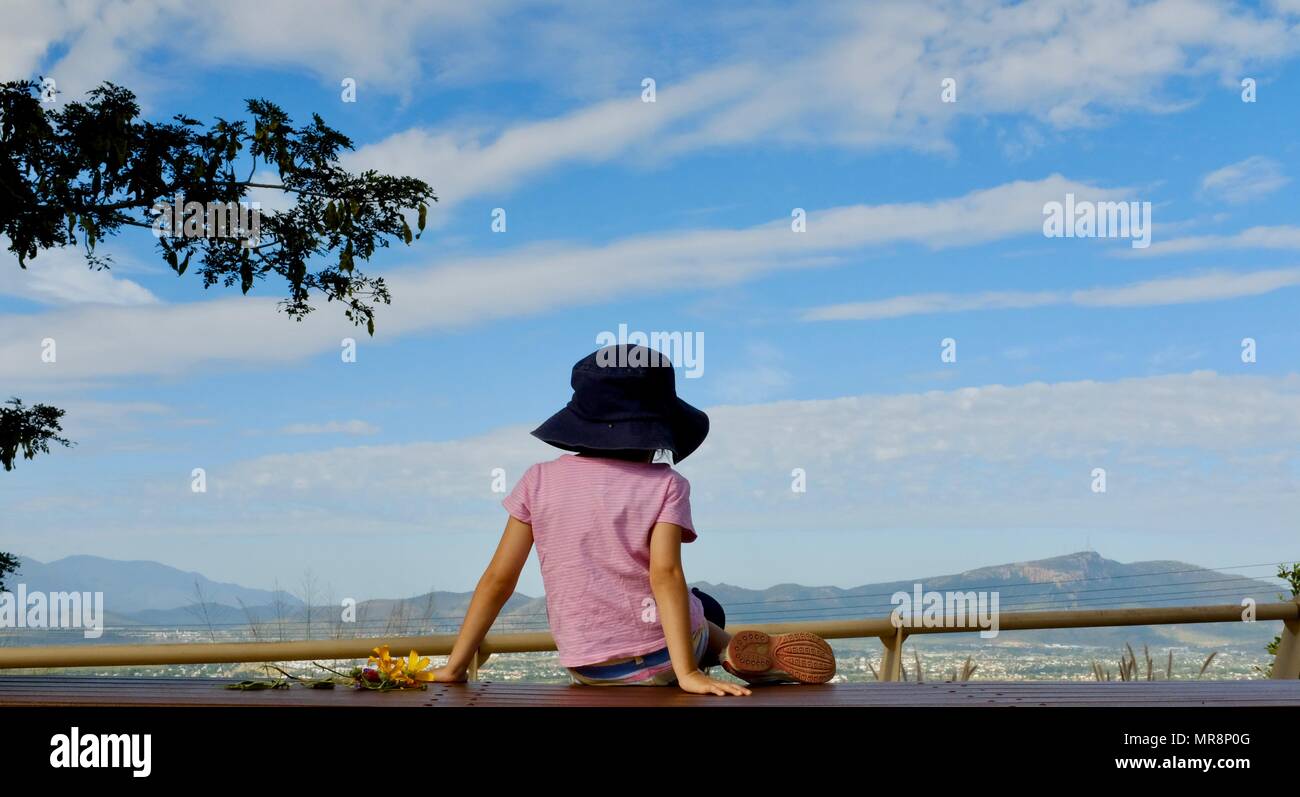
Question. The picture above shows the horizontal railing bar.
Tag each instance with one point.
(440, 644)
(1105, 618)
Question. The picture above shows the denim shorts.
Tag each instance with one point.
(652, 669)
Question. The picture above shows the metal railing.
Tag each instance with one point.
(1285, 666)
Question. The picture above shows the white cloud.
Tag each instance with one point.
(1245, 180)
(387, 45)
(929, 303)
(1185, 451)
(468, 162)
(106, 341)
(98, 341)
(269, 200)
(1282, 236)
(88, 419)
(62, 276)
(873, 78)
(869, 76)
(761, 376)
(23, 46)
(847, 75)
(354, 427)
(1213, 286)
(1206, 287)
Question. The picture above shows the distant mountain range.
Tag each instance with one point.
(134, 587)
(143, 594)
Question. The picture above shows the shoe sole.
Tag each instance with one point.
(805, 657)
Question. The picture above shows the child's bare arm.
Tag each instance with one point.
(669, 585)
(493, 590)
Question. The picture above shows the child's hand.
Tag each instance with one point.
(447, 675)
(697, 683)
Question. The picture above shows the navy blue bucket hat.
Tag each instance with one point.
(624, 398)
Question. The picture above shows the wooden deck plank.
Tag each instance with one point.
(115, 691)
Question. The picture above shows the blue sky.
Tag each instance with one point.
(924, 222)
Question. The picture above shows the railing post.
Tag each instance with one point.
(472, 675)
(891, 667)
(1287, 663)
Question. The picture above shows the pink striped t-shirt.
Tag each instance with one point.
(591, 520)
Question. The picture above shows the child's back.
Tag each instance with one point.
(591, 519)
(609, 525)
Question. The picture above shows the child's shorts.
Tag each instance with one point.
(652, 669)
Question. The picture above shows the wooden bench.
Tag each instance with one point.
(18, 690)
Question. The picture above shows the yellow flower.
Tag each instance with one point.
(417, 668)
(409, 671)
(415, 663)
(384, 662)
(380, 656)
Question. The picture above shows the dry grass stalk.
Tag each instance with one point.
(1129, 668)
(964, 674)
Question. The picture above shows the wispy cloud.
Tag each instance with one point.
(931, 303)
(387, 45)
(870, 77)
(760, 376)
(354, 427)
(1207, 287)
(106, 341)
(62, 277)
(465, 163)
(852, 75)
(1245, 180)
(1282, 236)
(1210, 287)
(935, 459)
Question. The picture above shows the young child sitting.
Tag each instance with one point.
(609, 523)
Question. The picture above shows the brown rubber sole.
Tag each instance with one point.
(805, 657)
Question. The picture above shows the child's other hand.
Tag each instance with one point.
(697, 683)
(446, 675)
